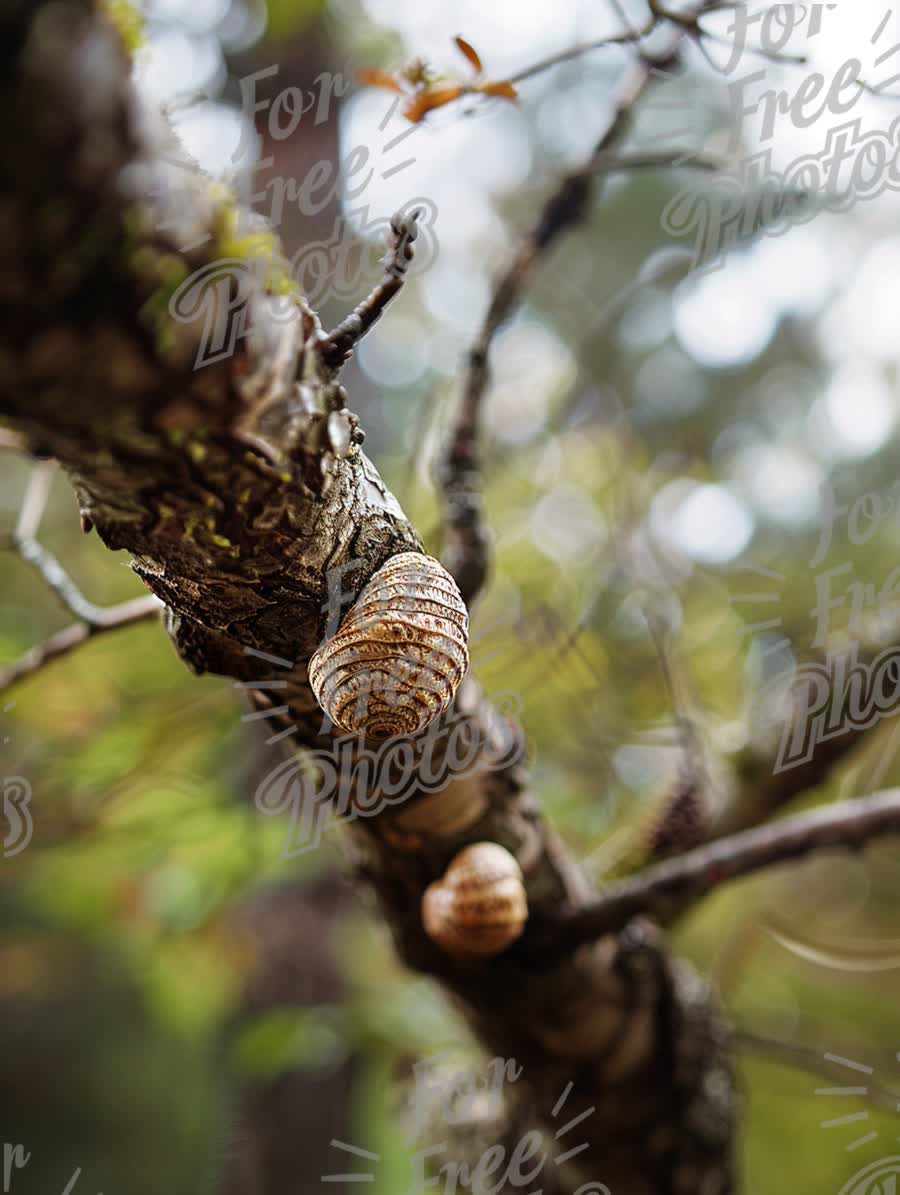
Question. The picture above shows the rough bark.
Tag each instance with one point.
(236, 487)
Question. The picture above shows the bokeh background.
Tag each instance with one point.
(182, 1009)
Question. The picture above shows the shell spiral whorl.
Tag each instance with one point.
(399, 655)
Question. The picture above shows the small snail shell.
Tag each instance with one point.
(479, 908)
(399, 655)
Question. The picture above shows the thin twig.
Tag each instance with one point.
(877, 89)
(791, 1054)
(57, 579)
(92, 620)
(459, 471)
(720, 39)
(689, 22)
(337, 346)
(34, 503)
(764, 784)
(23, 541)
(668, 889)
(112, 618)
(11, 441)
(680, 821)
(690, 159)
(628, 37)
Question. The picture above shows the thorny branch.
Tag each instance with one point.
(667, 890)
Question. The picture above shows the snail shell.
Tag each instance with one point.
(399, 655)
(479, 908)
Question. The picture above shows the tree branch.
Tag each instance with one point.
(668, 890)
(689, 23)
(189, 401)
(93, 620)
(466, 551)
(459, 470)
(11, 442)
(792, 1054)
(338, 344)
(627, 37)
(113, 618)
(764, 785)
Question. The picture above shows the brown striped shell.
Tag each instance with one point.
(399, 655)
(479, 908)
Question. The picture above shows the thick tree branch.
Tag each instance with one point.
(186, 395)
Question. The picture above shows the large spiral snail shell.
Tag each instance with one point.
(479, 908)
(399, 655)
